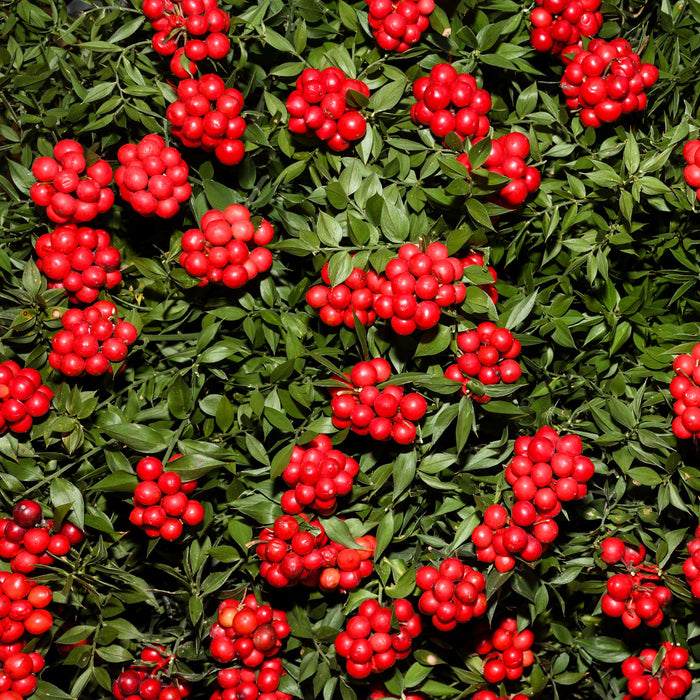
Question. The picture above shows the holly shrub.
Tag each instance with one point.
(513, 309)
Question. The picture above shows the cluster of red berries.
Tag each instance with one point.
(448, 101)
(490, 695)
(418, 286)
(558, 25)
(635, 595)
(18, 675)
(316, 477)
(207, 115)
(228, 249)
(384, 415)
(545, 471)
(672, 680)
(290, 555)
(142, 681)
(152, 177)
(343, 302)
(91, 339)
(161, 501)
(411, 293)
(500, 537)
(548, 469)
(22, 609)
(368, 643)
(691, 172)
(319, 106)
(398, 24)
(247, 631)
(69, 188)
(199, 24)
(452, 593)
(607, 81)
(80, 260)
(685, 388)
(507, 157)
(691, 566)
(488, 355)
(263, 684)
(22, 397)
(28, 539)
(507, 651)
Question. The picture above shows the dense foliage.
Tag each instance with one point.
(597, 276)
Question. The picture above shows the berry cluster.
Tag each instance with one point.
(691, 566)
(478, 260)
(607, 81)
(90, 340)
(206, 115)
(452, 593)
(488, 355)
(448, 101)
(319, 106)
(152, 177)
(685, 388)
(411, 293)
(418, 286)
(199, 24)
(671, 680)
(69, 188)
(22, 609)
(161, 501)
(22, 397)
(247, 631)
(398, 24)
(18, 675)
(28, 540)
(500, 537)
(548, 469)
(142, 681)
(368, 644)
(252, 685)
(343, 302)
(228, 249)
(80, 260)
(316, 476)
(507, 651)
(634, 595)
(362, 407)
(691, 172)
(558, 25)
(290, 555)
(507, 157)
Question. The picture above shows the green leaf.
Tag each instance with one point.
(64, 493)
(138, 437)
